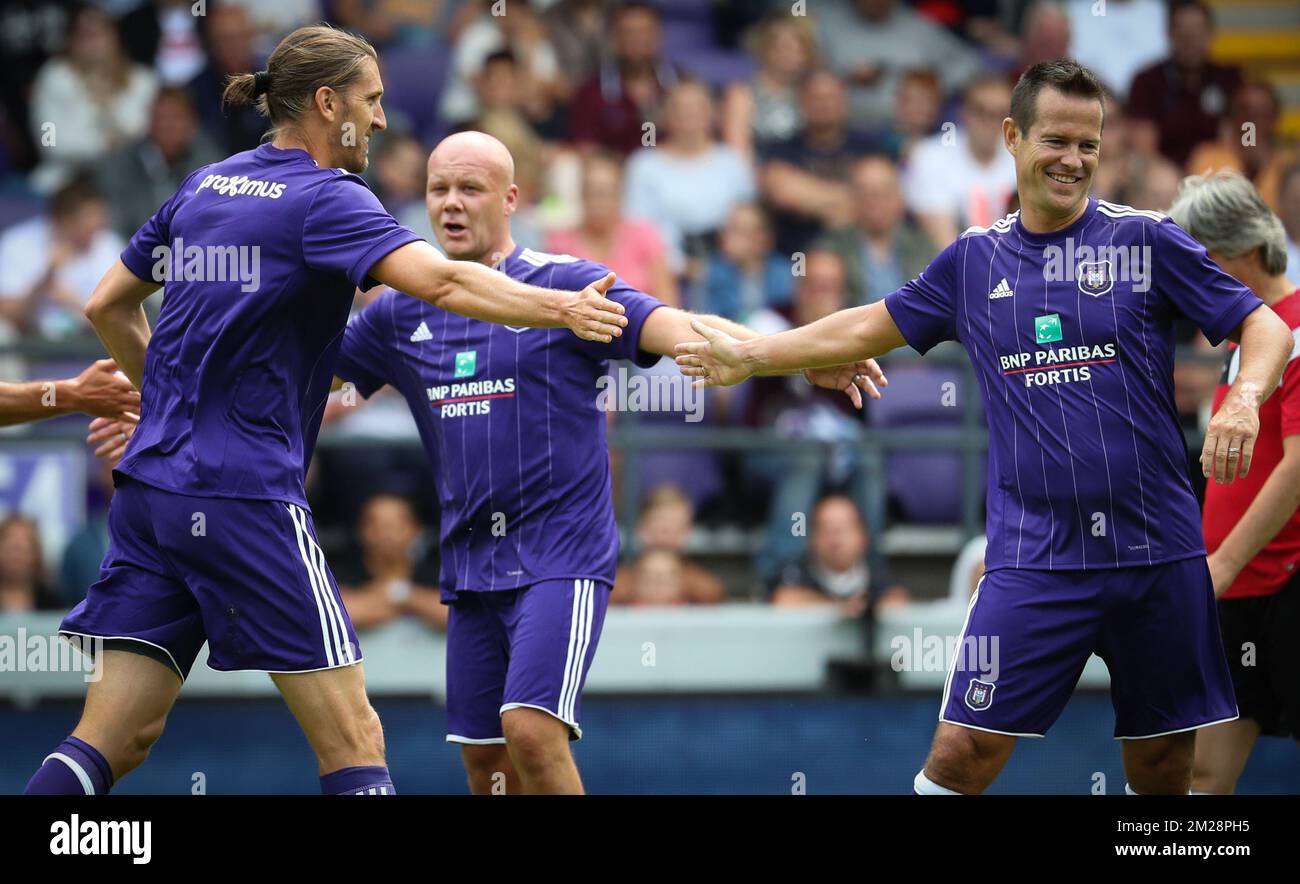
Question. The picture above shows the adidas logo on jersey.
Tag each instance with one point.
(421, 334)
(1002, 291)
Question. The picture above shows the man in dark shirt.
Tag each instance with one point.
(612, 108)
(805, 179)
(140, 176)
(228, 37)
(1177, 103)
(882, 249)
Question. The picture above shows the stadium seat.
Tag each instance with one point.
(678, 10)
(717, 67)
(413, 82)
(690, 42)
(695, 471)
(683, 36)
(926, 485)
(916, 393)
(18, 207)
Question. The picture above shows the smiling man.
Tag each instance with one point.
(1066, 309)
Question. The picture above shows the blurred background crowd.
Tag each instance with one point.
(771, 162)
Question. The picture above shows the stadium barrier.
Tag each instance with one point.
(739, 648)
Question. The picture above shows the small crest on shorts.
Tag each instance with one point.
(979, 694)
(1095, 278)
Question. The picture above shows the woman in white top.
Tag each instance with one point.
(689, 182)
(88, 100)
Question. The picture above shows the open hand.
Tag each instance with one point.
(593, 317)
(1230, 437)
(109, 437)
(851, 376)
(717, 360)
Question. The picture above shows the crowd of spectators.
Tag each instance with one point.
(765, 161)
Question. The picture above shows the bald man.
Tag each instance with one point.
(511, 422)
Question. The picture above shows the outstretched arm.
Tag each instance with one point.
(480, 292)
(847, 336)
(99, 391)
(667, 327)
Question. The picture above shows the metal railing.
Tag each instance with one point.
(632, 439)
(872, 446)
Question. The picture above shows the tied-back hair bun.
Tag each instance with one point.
(261, 83)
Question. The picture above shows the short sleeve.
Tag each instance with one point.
(365, 354)
(139, 255)
(746, 187)
(584, 115)
(640, 189)
(925, 309)
(637, 305)
(1196, 287)
(1290, 390)
(347, 231)
(21, 262)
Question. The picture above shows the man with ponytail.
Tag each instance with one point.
(211, 536)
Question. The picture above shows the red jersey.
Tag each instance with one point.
(1279, 417)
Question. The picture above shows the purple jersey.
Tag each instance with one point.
(261, 253)
(509, 417)
(1071, 337)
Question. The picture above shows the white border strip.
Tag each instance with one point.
(577, 731)
(989, 730)
(76, 769)
(130, 638)
(961, 639)
(470, 741)
(1182, 730)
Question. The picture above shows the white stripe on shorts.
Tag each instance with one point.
(325, 628)
(346, 654)
(586, 646)
(568, 659)
(579, 637)
(579, 642)
(78, 771)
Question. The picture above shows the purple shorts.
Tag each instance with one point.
(1029, 633)
(521, 647)
(246, 576)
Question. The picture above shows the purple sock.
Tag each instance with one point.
(369, 780)
(74, 768)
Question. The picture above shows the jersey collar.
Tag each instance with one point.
(1056, 235)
